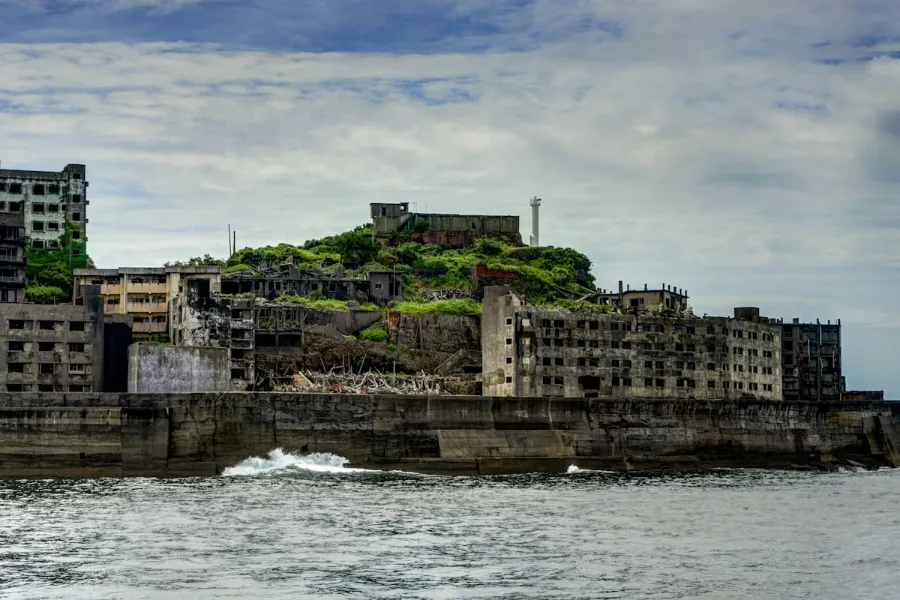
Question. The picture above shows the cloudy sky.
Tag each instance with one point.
(746, 151)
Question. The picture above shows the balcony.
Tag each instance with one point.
(149, 327)
(147, 308)
(147, 288)
(111, 289)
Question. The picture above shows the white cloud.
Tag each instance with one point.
(705, 148)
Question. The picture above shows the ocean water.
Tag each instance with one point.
(285, 526)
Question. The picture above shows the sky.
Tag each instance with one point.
(748, 152)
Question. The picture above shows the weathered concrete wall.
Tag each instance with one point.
(200, 434)
(435, 332)
(156, 369)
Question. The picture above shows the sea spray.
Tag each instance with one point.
(279, 461)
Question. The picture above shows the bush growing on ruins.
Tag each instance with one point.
(463, 306)
(45, 294)
(373, 334)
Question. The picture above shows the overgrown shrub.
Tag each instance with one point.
(373, 334)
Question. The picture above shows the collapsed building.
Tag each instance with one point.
(379, 287)
(393, 222)
(539, 351)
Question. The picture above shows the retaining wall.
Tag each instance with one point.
(83, 435)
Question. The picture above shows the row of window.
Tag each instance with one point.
(651, 328)
(37, 189)
(41, 244)
(25, 387)
(19, 346)
(661, 383)
(19, 324)
(46, 368)
(754, 369)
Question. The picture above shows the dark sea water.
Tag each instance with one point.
(294, 527)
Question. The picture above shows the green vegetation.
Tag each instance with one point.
(464, 306)
(49, 271)
(546, 276)
(198, 261)
(319, 303)
(373, 334)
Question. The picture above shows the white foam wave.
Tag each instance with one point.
(278, 460)
(576, 469)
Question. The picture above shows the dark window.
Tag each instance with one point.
(691, 383)
(509, 380)
(76, 347)
(614, 344)
(237, 373)
(76, 235)
(46, 369)
(17, 346)
(76, 176)
(626, 345)
(547, 361)
(711, 385)
(614, 363)
(559, 324)
(660, 383)
(691, 330)
(545, 323)
(691, 348)
(626, 364)
(45, 346)
(710, 366)
(13, 387)
(648, 364)
(615, 382)
(15, 188)
(16, 367)
(546, 380)
(46, 325)
(582, 324)
(626, 382)
(39, 244)
(53, 189)
(679, 347)
(508, 358)
(648, 382)
(509, 321)
(16, 324)
(691, 366)
(579, 343)
(594, 325)
(680, 383)
(582, 362)
(508, 341)
(660, 364)
(37, 226)
(76, 216)
(37, 207)
(45, 387)
(559, 362)
(76, 326)
(38, 189)
(558, 381)
(710, 331)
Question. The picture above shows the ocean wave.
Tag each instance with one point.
(280, 461)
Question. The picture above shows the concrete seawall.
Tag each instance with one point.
(90, 435)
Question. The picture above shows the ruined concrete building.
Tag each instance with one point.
(12, 256)
(143, 293)
(379, 287)
(47, 199)
(389, 220)
(62, 348)
(537, 351)
(811, 360)
(664, 298)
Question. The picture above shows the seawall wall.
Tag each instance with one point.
(170, 435)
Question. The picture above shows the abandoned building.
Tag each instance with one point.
(143, 293)
(47, 199)
(61, 348)
(811, 361)
(664, 298)
(447, 229)
(537, 351)
(379, 287)
(12, 255)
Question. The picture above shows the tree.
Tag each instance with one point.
(197, 261)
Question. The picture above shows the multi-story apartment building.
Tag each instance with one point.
(144, 293)
(811, 361)
(664, 298)
(539, 351)
(52, 348)
(12, 256)
(48, 200)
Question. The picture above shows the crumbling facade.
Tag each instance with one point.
(52, 348)
(538, 351)
(395, 219)
(12, 255)
(48, 199)
(201, 318)
(811, 361)
(379, 287)
(144, 293)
